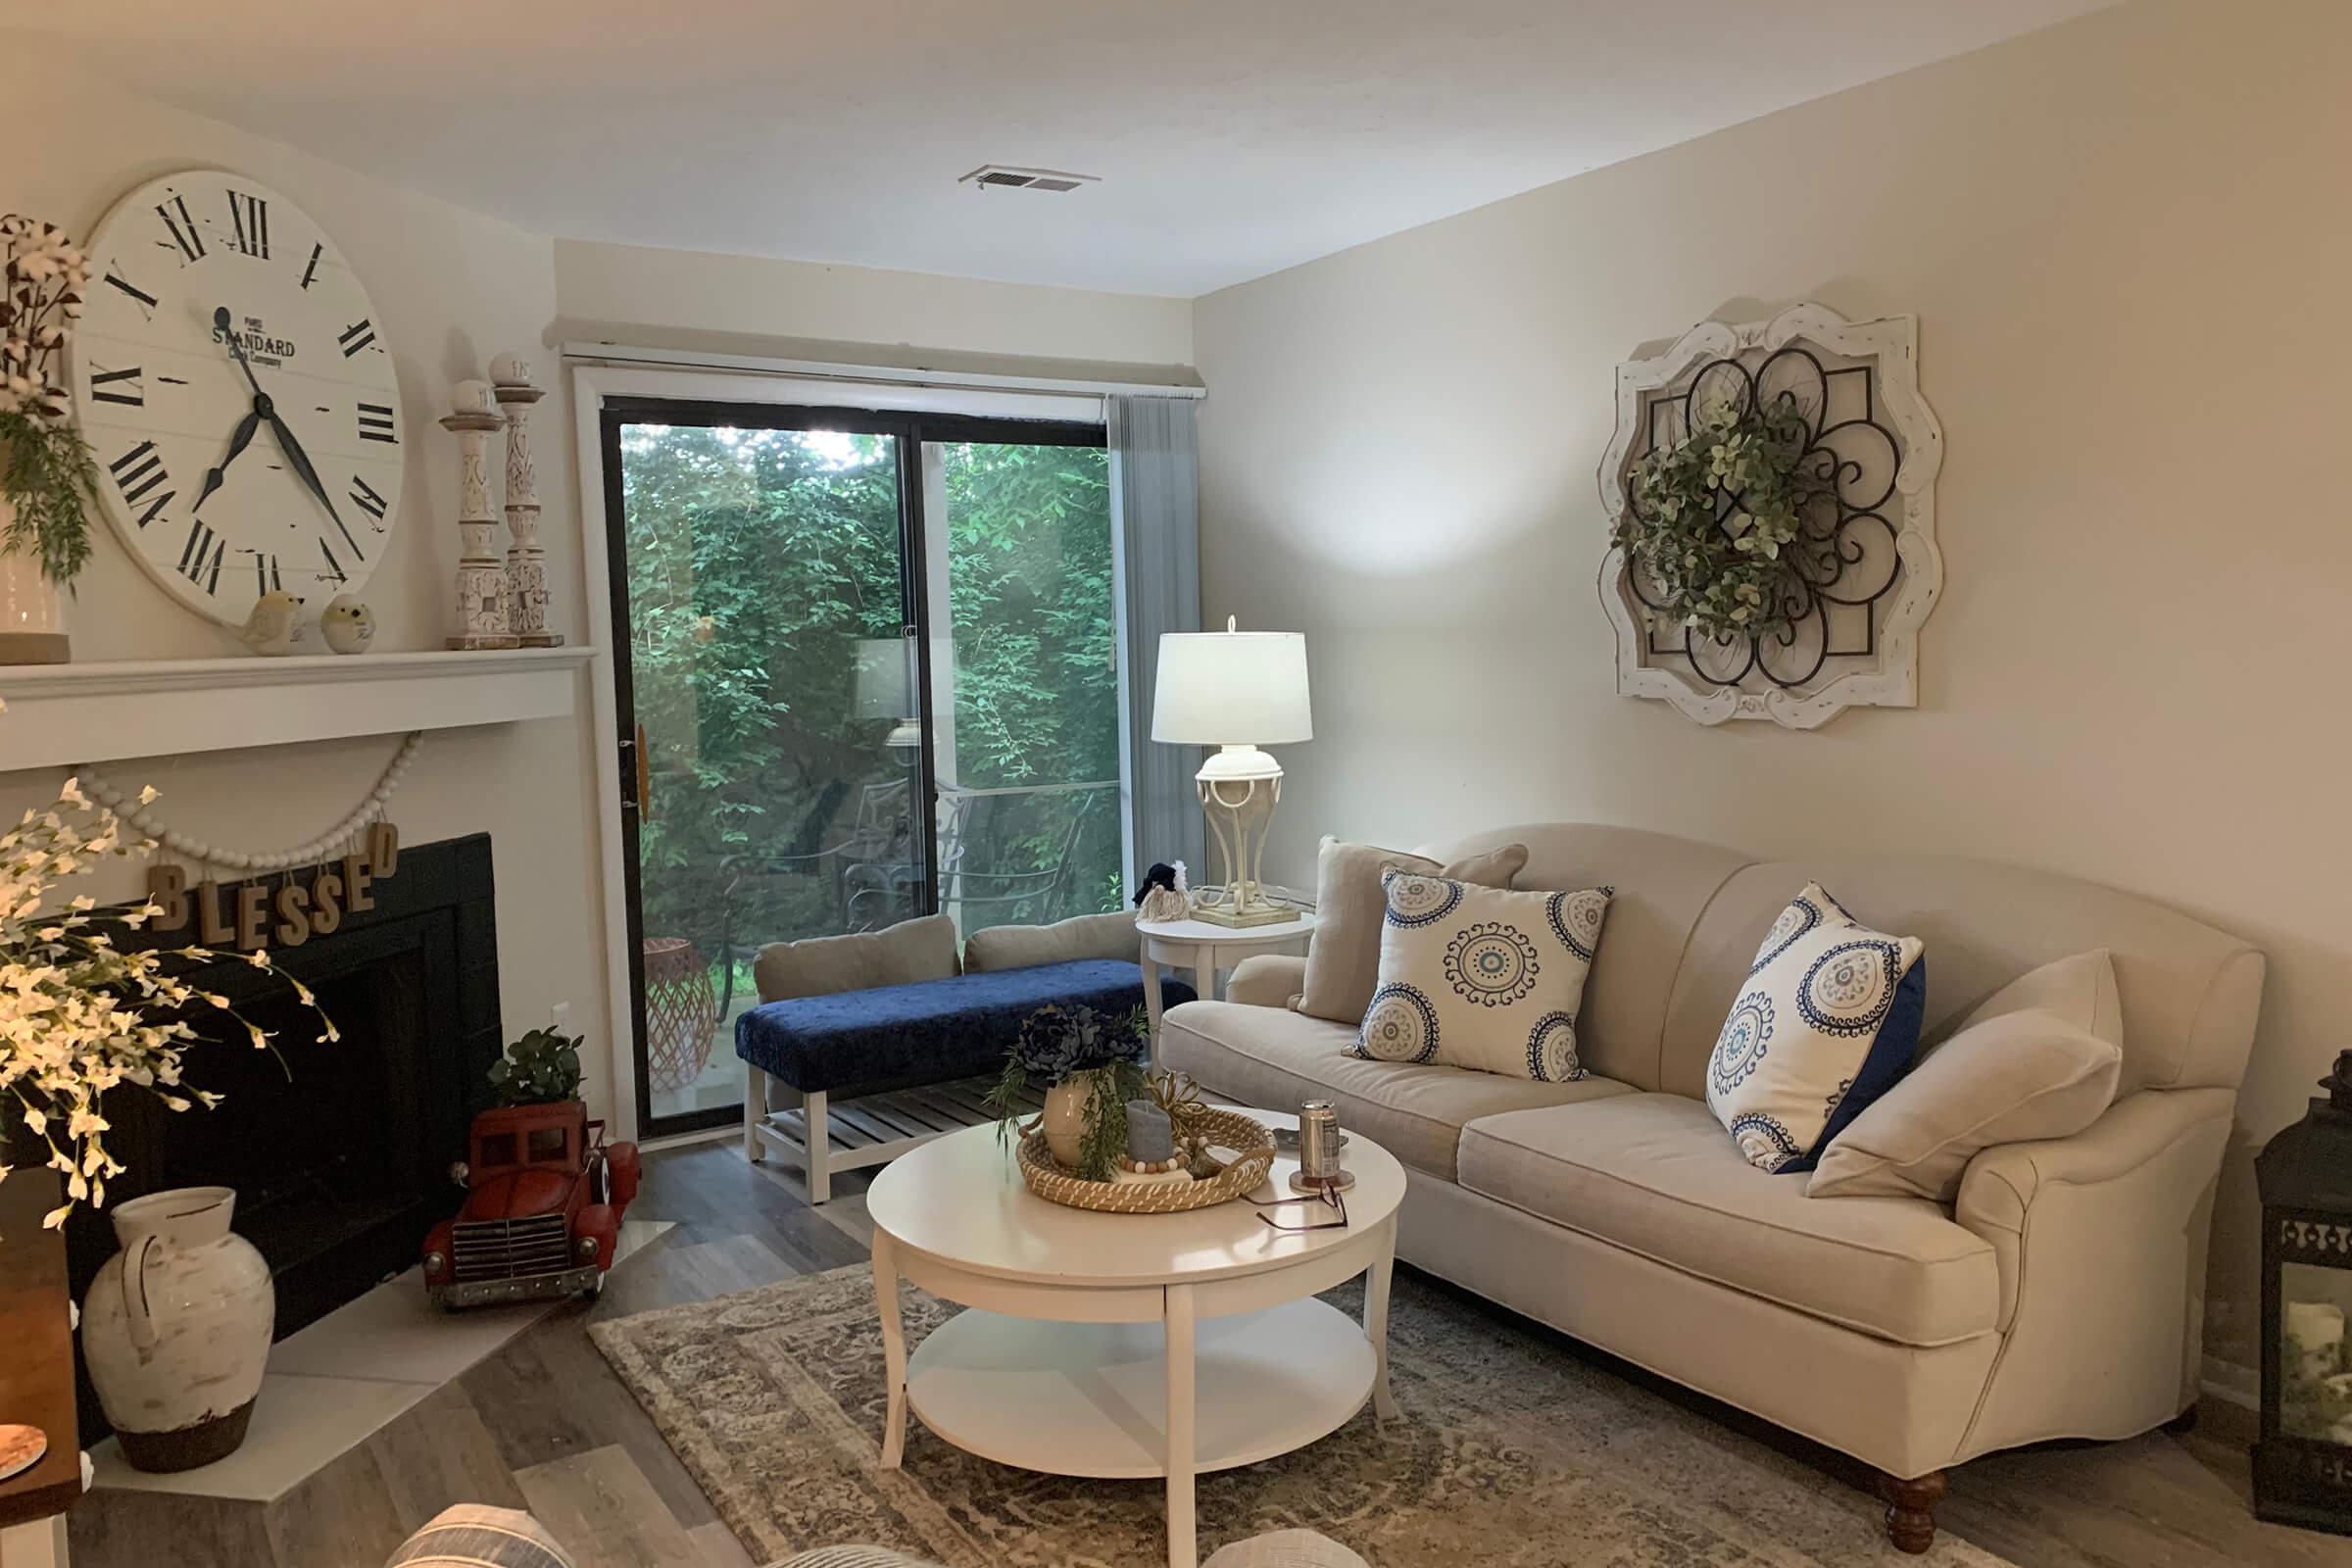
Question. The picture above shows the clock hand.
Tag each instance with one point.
(237, 442)
(296, 459)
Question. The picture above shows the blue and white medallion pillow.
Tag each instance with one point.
(1482, 977)
(1827, 1021)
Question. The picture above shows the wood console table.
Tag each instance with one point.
(36, 1372)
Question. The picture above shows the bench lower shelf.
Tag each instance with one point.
(870, 1130)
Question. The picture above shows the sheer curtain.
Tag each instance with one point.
(1155, 553)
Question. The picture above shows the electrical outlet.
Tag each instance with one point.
(559, 1018)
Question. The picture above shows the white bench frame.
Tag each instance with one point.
(868, 1130)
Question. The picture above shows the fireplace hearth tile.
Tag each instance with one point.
(341, 1379)
(299, 1425)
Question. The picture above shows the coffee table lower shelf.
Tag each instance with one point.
(1092, 1399)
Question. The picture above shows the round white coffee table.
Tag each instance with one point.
(1117, 1344)
(1205, 948)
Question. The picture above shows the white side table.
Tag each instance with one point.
(1206, 950)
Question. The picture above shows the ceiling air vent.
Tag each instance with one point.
(1010, 178)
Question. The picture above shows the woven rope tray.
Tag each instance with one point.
(1252, 1139)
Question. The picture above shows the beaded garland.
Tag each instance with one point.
(140, 818)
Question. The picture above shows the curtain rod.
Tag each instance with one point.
(617, 354)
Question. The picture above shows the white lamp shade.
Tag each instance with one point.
(885, 685)
(1231, 688)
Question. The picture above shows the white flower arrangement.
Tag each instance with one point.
(78, 1015)
(45, 465)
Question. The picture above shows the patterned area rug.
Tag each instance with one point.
(1511, 1453)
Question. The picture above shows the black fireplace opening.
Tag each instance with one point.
(339, 1151)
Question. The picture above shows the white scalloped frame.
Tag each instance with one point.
(1890, 679)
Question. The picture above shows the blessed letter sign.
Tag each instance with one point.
(257, 914)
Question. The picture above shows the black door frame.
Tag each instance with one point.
(910, 430)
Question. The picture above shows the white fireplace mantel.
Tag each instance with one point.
(60, 715)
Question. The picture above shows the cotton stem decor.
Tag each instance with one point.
(78, 1015)
(46, 476)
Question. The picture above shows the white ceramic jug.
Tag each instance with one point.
(177, 1328)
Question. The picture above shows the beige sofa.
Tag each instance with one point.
(2062, 1295)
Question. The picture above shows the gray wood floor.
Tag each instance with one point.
(544, 1424)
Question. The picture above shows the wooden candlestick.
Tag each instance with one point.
(526, 559)
(482, 620)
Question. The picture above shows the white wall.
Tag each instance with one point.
(451, 289)
(811, 310)
(2126, 243)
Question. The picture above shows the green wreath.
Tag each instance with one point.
(1724, 585)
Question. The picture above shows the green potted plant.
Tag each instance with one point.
(541, 1068)
(46, 476)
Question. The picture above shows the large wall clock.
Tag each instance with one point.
(233, 381)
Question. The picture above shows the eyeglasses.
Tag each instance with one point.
(1327, 1211)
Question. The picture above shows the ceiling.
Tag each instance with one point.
(1233, 137)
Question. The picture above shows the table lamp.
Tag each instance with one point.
(1236, 690)
(886, 687)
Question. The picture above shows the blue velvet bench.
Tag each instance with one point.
(866, 1045)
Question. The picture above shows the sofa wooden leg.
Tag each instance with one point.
(1911, 1509)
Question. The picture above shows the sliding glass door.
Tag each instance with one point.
(869, 672)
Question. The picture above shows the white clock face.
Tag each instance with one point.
(234, 382)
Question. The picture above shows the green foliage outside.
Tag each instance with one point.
(759, 561)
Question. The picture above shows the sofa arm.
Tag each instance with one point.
(2100, 1242)
(1266, 980)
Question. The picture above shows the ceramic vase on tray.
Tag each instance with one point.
(177, 1328)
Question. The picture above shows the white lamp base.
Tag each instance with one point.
(1240, 787)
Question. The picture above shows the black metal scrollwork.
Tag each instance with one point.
(1844, 554)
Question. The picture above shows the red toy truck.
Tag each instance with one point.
(544, 1197)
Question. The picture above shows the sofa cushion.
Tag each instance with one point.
(922, 948)
(1825, 1022)
(1081, 936)
(1275, 1059)
(1654, 1174)
(1482, 978)
(1343, 962)
(930, 1032)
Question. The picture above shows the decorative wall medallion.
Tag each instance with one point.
(1863, 568)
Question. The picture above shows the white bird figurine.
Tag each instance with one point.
(275, 624)
(347, 625)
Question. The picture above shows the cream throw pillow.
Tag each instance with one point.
(2015, 1077)
(1482, 978)
(1343, 962)
(2080, 990)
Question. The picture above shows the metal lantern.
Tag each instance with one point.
(2303, 1463)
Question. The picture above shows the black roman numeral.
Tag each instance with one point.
(265, 573)
(311, 270)
(145, 299)
(356, 338)
(376, 423)
(251, 215)
(119, 386)
(138, 473)
(363, 496)
(184, 234)
(334, 568)
(200, 559)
